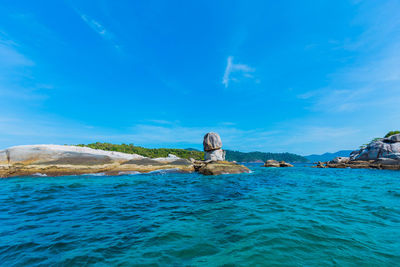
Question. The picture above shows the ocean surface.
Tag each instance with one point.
(289, 216)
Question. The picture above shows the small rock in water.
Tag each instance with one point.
(275, 163)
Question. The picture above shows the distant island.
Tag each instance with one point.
(328, 156)
(196, 154)
(263, 157)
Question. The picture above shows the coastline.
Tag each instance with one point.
(58, 160)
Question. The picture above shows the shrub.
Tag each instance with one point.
(391, 133)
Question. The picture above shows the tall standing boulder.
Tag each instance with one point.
(212, 145)
(212, 141)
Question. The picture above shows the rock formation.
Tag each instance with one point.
(219, 167)
(275, 163)
(56, 160)
(212, 145)
(383, 148)
(380, 154)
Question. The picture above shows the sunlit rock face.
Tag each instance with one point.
(56, 160)
(215, 155)
(212, 141)
(384, 148)
(212, 145)
(275, 163)
(219, 167)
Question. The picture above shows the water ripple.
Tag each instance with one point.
(291, 216)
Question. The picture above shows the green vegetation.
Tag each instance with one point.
(391, 133)
(147, 152)
(373, 140)
(263, 156)
(194, 153)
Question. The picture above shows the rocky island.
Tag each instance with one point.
(381, 153)
(56, 160)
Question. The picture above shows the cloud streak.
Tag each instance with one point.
(97, 27)
(9, 55)
(234, 72)
(370, 84)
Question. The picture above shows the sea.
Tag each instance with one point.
(298, 216)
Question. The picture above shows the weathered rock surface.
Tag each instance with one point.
(212, 141)
(55, 160)
(382, 163)
(340, 160)
(271, 163)
(219, 167)
(275, 163)
(383, 148)
(383, 153)
(215, 155)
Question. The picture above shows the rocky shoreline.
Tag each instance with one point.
(58, 160)
(383, 153)
(362, 164)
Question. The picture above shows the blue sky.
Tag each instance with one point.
(280, 76)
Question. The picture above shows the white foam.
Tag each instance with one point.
(94, 174)
(129, 173)
(39, 174)
(163, 171)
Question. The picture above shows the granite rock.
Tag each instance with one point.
(215, 155)
(219, 167)
(212, 141)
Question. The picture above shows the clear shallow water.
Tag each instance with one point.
(288, 216)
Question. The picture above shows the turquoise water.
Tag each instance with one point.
(289, 216)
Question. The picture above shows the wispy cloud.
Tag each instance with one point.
(98, 27)
(10, 57)
(235, 71)
(19, 87)
(372, 82)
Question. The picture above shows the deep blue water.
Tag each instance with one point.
(289, 216)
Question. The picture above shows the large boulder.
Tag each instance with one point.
(212, 141)
(384, 148)
(394, 138)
